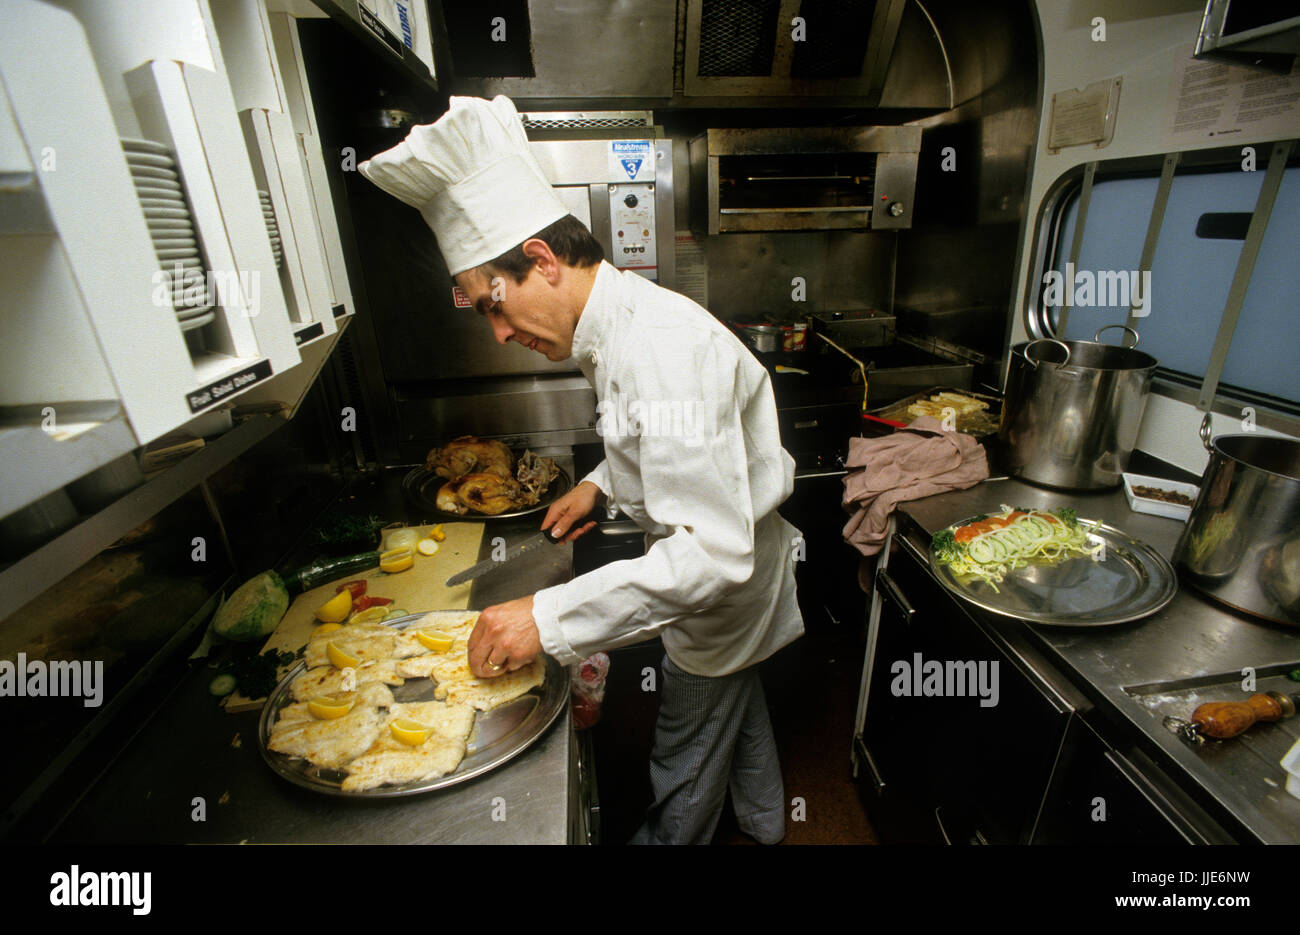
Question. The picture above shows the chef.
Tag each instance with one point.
(692, 456)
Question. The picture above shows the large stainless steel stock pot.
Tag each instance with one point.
(1072, 410)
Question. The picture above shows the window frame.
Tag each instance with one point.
(1271, 412)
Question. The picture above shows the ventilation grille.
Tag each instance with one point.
(737, 37)
(836, 41)
(567, 121)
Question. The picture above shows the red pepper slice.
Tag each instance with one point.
(365, 603)
(357, 588)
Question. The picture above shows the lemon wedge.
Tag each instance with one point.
(328, 628)
(369, 615)
(336, 609)
(412, 733)
(338, 658)
(396, 560)
(435, 640)
(427, 547)
(437, 534)
(328, 707)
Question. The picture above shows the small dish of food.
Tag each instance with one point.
(1160, 497)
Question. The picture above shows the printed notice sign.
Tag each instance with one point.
(1214, 102)
(1086, 116)
(631, 160)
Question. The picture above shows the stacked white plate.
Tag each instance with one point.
(272, 228)
(158, 185)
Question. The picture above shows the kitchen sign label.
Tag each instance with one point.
(631, 160)
(371, 20)
(200, 399)
(309, 333)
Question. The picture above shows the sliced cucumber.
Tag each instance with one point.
(981, 550)
(223, 685)
(394, 614)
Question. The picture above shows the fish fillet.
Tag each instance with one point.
(418, 667)
(327, 680)
(453, 622)
(371, 693)
(458, 685)
(388, 760)
(364, 644)
(329, 743)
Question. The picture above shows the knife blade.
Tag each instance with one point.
(531, 544)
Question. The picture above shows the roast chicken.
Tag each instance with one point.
(483, 476)
(469, 454)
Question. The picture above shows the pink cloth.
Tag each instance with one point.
(912, 463)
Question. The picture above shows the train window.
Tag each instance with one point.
(1181, 298)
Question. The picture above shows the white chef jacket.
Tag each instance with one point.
(693, 456)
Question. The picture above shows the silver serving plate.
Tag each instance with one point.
(499, 735)
(1132, 581)
(421, 487)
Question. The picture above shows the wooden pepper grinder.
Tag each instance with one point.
(1224, 719)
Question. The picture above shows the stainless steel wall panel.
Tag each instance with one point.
(596, 48)
(751, 275)
(510, 407)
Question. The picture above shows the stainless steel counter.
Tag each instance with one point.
(1138, 673)
(191, 749)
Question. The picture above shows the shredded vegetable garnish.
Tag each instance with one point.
(989, 548)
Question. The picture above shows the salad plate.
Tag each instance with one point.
(1105, 576)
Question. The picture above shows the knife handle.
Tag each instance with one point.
(576, 523)
(1224, 719)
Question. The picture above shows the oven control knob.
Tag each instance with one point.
(630, 201)
(896, 209)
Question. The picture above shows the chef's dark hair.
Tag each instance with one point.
(568, 239)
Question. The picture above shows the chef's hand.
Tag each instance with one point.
(505, 635)
(572, 508)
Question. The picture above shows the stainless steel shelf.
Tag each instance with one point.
(35, 462)
(349, 14)
(31, 575)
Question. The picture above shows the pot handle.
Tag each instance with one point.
(1035, 363)
(1207, 433)
(1097, 336)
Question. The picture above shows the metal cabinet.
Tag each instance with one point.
(974, 734)
(1099, 795)
(942, 760)
(887, 749)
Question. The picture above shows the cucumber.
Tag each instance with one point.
(223, 685)
(980, 551)
(318, 572)
(254, 610)
(394, 614)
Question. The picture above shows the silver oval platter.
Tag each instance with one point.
(499, 735)
(1126, 581)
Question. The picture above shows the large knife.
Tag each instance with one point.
(531, 544)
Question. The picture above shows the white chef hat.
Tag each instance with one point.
(473, 179)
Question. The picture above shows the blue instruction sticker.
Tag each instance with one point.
(631, 161)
